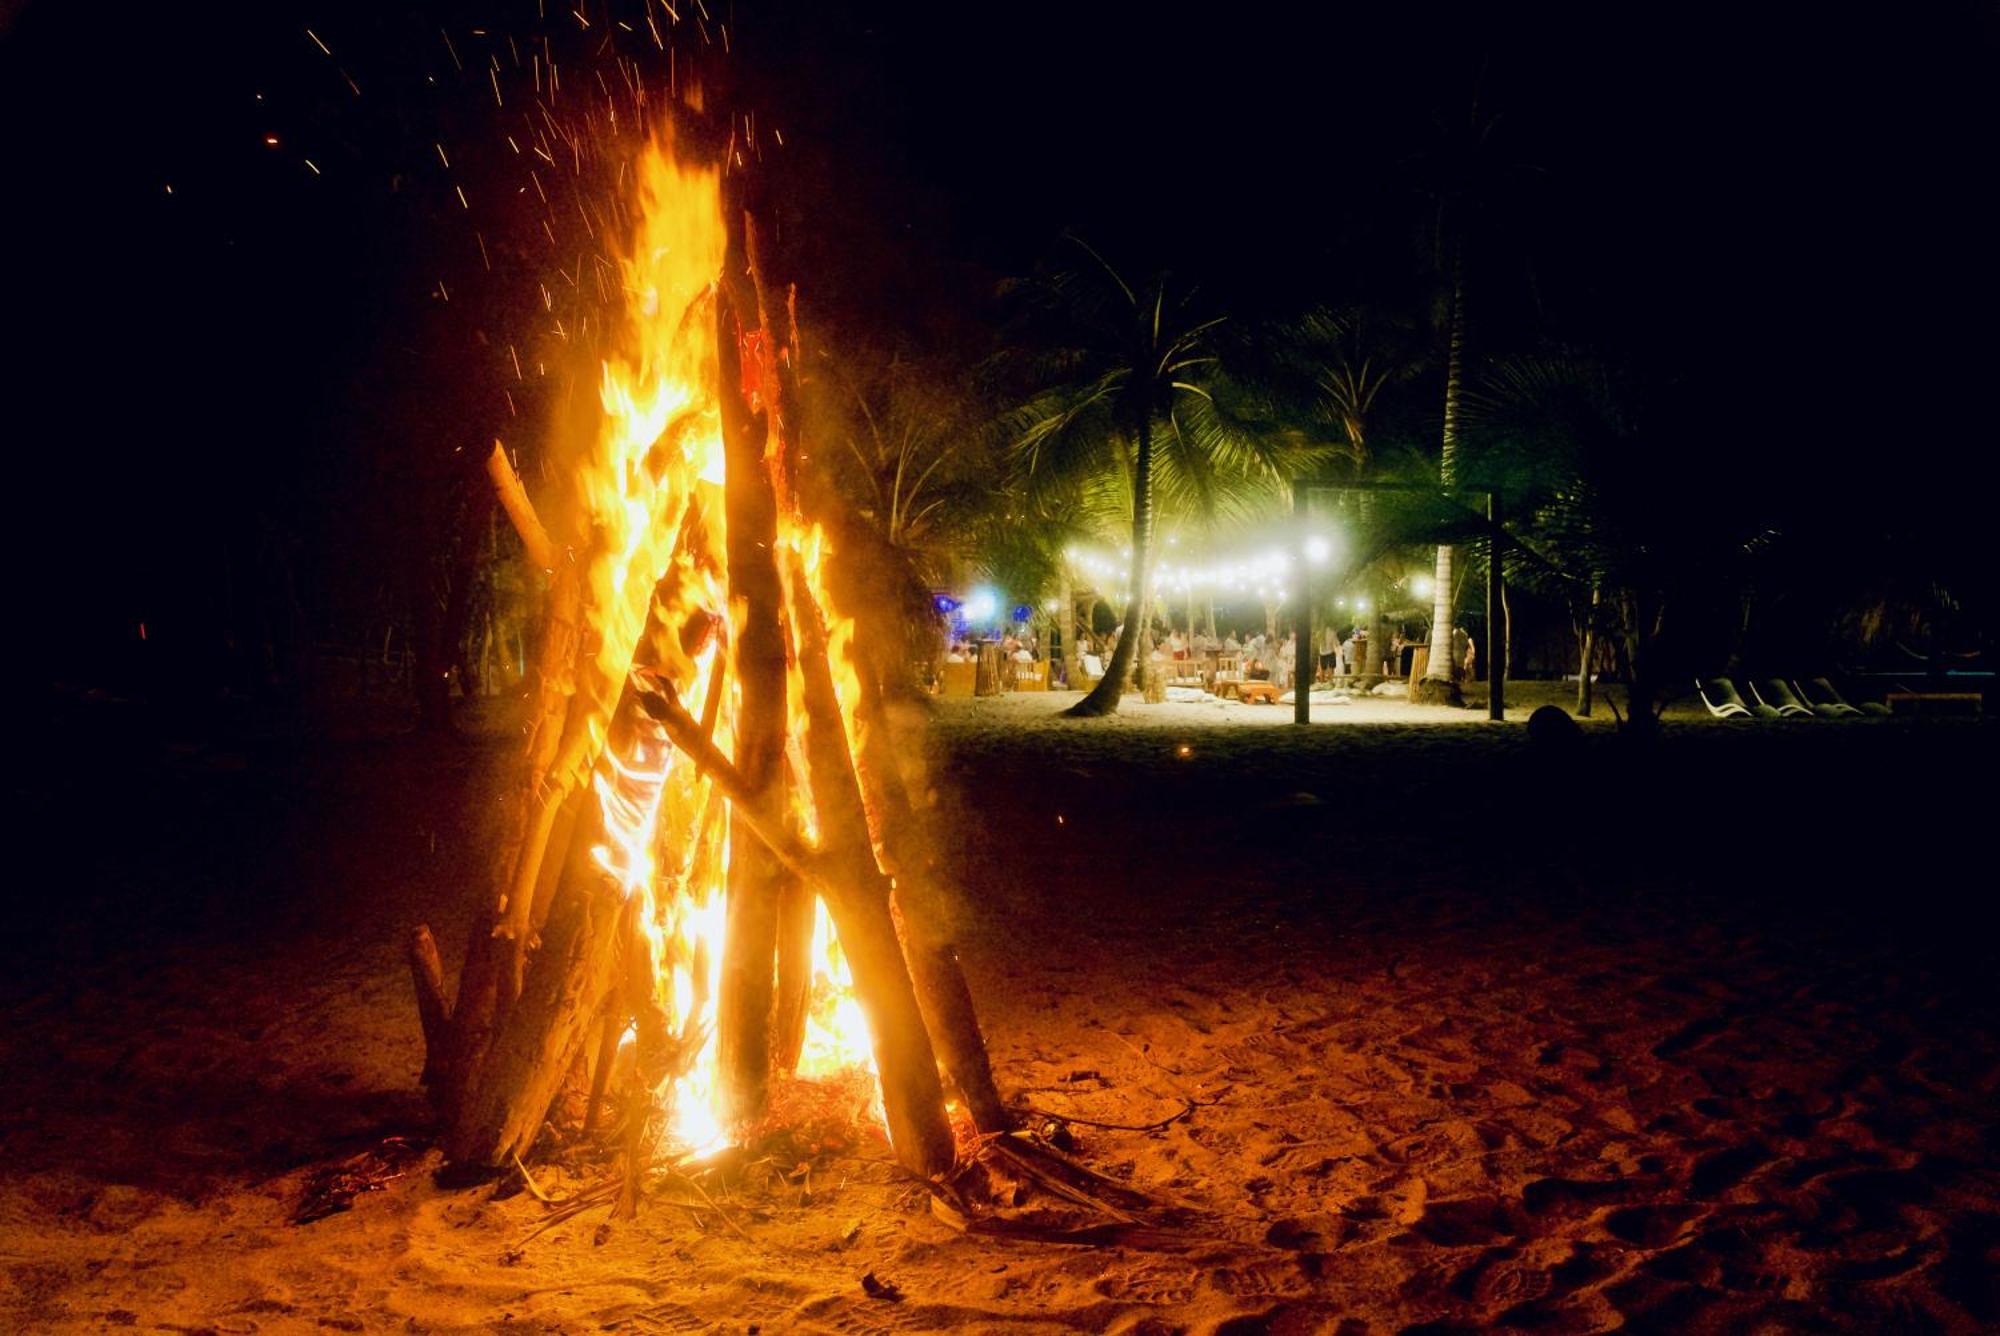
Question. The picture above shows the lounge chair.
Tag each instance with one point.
(1720, 696)
(1820, 691)
(1780, 698)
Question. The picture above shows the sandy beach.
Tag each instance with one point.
(1701, 1039)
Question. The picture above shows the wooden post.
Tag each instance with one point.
(1066, 629)
(1302, 675)
(1496, 613)
(1587, 654)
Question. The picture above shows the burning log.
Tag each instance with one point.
(934, 967)
(571, 976)
(858, 896)
(792, 1004)
(868, 793)
(526, 805)
(756, 881)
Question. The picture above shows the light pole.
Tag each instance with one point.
(1302, 660)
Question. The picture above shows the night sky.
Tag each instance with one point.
(1785, 220)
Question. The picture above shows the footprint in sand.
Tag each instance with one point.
(1878, 1196)
(1721, 1170)
(1275, 1278)
(1465, 1221)
(1546, 1195)
(1510, 1285)
(1652, 1303)
(1652, 1226)
(1164, 1286)
(1690, 1036)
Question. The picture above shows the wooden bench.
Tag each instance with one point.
(1935, 702)
(1258, 693)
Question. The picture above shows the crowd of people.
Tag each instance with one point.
(1020, 645)
(1261, 656)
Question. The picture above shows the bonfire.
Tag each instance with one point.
(712, 878)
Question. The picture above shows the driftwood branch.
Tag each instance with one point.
(433, 1012)
(520, 511)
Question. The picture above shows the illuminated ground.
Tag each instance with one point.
(1701, 1041)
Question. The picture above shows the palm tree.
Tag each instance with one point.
(1440, 684)
(914, 466)
(912, 462)
(1464, 175)
(1123, 368)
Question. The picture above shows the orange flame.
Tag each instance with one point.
(651, 492)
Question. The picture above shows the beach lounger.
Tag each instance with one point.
(1720, 696)
(1819, 702)
(1779, 697)
(1820, 691)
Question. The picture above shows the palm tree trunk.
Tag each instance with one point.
(1103, 698)
(1440, 685)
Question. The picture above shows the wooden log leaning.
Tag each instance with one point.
(514, 500)
(746, 995)
(858, 898)
(913, 1098)
(792, 1003)
(433, 1011)
(910, 858)
(538, 1040)
(489, 953)
(767, 371)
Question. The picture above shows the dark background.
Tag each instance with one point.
(240, 396)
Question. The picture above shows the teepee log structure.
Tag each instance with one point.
(698, 749)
